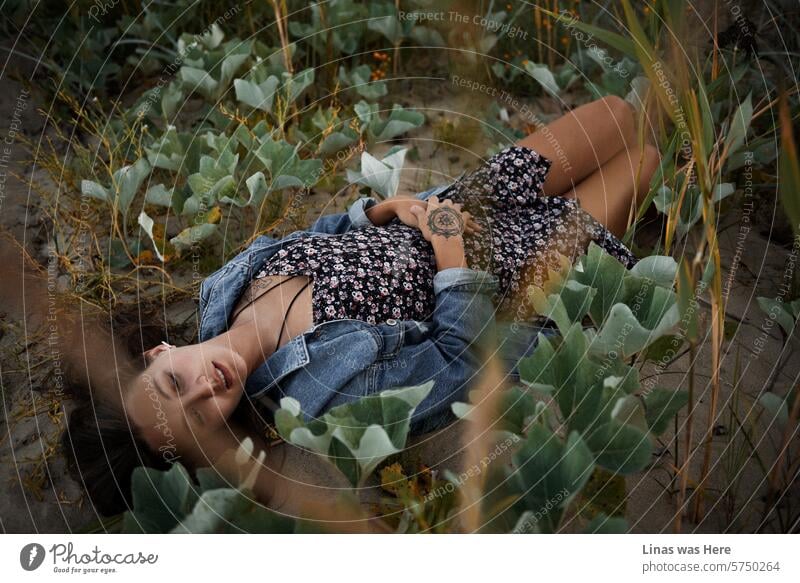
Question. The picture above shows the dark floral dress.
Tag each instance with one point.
(380, 273)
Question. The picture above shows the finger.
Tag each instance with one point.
(434, 200)
(467, 222)
(472, 224)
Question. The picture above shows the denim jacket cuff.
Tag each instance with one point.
(357, 214)
(464, 276)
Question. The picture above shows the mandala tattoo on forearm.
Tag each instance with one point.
(446, 222)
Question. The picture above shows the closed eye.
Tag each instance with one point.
(174, 381)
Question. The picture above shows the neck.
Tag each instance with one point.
(249, 342)
(255, 335)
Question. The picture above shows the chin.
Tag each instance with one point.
(239, 370)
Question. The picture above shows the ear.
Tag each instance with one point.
(150, 355)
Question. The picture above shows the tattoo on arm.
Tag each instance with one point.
(446, 222)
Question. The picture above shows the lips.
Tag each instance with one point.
(223, 374)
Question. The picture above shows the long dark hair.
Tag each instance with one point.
(101, 446)
(102, 449)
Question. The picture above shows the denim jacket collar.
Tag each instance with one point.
(220, 291)
(288, 358)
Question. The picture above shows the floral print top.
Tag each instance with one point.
(379, 273)
(370, 274)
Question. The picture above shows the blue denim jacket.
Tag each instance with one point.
(339, 361)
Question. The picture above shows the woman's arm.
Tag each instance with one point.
(464, 309)
(443, 224)
(360, 215)
(395, 207)
(452, 352)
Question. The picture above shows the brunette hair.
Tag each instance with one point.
(102, 447)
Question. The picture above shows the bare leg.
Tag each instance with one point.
(583, 140)
(618, 186)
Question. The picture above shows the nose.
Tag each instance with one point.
(204, 388)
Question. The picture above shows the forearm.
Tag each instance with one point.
(395, 207)
(449, 252)
(448, 249)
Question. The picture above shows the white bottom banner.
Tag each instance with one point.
(355, 558)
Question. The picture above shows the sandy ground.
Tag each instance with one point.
(39, 496)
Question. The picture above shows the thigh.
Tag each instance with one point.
(582, 140)
(611, 192)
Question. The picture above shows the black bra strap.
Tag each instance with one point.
(241, 308)
(286, 314)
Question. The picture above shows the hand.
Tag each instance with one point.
(443, 219)
(402, 209)
(443, 225)
(399, 207)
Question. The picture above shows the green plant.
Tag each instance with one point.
(583, 405)
(192, 172)
(171, 502)
(381, 176)
(356, 437)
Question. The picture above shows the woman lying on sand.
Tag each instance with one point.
(390, 294)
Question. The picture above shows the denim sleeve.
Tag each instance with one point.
(451, 351)
(357, 214)
(332, 224)
(463, 277)
(464, 311)
(354, 218)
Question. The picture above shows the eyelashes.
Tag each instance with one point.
(175, 384)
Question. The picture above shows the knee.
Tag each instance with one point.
(622, 113)
(651, 153)
(651, 158)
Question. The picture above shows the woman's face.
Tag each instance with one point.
(185, 393)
